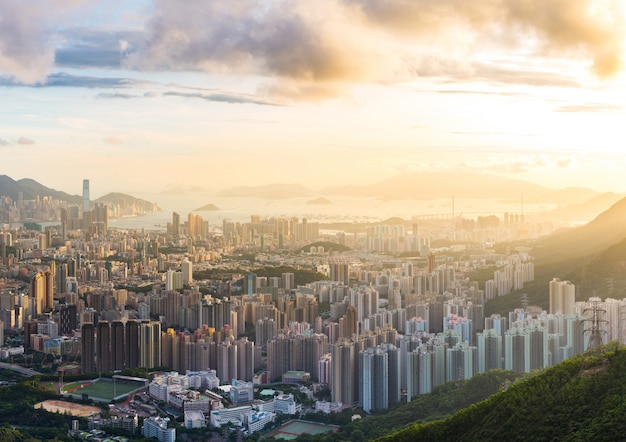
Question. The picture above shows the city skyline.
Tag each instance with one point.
(150, 96)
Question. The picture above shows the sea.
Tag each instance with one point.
(338, 209)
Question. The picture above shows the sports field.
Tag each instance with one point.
(68, 407)
(295, 428)
(102, 389)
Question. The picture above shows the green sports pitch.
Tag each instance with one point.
(102, 389)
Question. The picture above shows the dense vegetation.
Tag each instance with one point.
(301, 276)
(17, 408)
(579, 399)
(442, 402)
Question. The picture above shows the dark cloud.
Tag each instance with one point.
(64, 79)
(299, 42)
(221, 97)
(25, 141)
(101, 48)
(315, 50)
(114, 95)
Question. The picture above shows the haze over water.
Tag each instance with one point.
(341, 209)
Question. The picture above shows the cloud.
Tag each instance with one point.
(594, 28)
(4, 142)
(25, 141)
(313, 51)
(591, 107)
(117, 95)
(112, 139)
(64, 79)
(316, 50)
(566, 162)
(221, 97)
(304, 44)
(516, 165)
(26, 43)
(82, 47)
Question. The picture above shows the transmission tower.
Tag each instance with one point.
(595, 333)
(524, 300)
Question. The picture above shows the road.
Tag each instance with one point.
(23, 370)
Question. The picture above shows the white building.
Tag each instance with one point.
(194, 419)
(234, 416)
(157, 427)
(257, 420)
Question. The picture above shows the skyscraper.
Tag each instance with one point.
(38, 293)
(149, 344)
(85, 196)
(562, 296)
(175, 224)
(87, 347)
(344, 373)
(132, 344)
(103, 347)
(117, 345)
(373, 375)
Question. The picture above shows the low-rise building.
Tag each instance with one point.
(194, 419)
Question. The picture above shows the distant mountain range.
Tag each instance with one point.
(30, 189)
(429, 185)
(270, 191)
(128, 205)
(606, 230)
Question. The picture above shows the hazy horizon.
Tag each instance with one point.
(145, 96)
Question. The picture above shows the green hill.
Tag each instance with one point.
(578, 400)
(127, 204)
(442, 402)
(605, 230)
(30, 189)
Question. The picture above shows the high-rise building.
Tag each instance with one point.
(132, 344)
(379, 377)
(175, 224)
(344, 372)
(517, 350)
(562, 297)
(489, 344)
(340, 272)
(245, 356)
(373, 375)
(149, 344)
(49, 276)
(87, 341)
(118, 344)
(227, 361)
(287, 281)
(85, 196)
(38, 293)
(67, 319)
(462, 361)
(187, 271)
(103, 347)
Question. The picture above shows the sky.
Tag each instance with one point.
(153, 95)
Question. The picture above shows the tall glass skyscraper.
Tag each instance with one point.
(85, 196)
